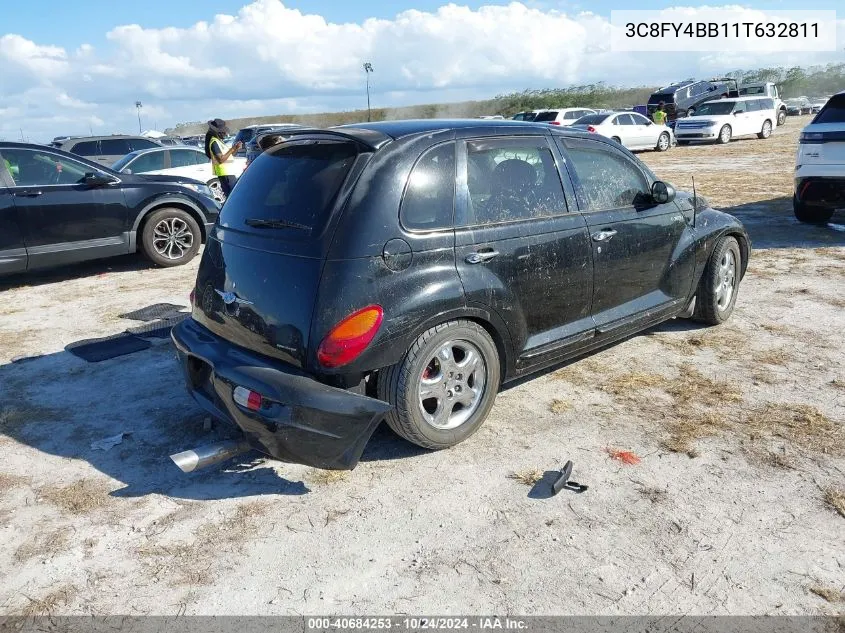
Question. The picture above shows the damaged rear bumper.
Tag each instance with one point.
(302, 420)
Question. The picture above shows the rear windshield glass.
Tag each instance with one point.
(292, 188)
(546, 116)
(666, 97)
(591, 119)
(833, 112)
(245, 135)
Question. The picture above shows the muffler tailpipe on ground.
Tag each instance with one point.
(204, 456)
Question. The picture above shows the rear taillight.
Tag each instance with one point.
(252, 400)
(554, 122)
(350, 337)
(590, 128)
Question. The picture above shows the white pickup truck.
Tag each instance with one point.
(765, 89)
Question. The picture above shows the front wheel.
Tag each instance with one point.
(719, 285)
(444, 387)
(170, 237)
(766, 131)
(810, 214)
(781, 117)
(217, 190)
(725, 134)
(663, 142)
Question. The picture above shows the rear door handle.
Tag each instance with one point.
(28, 194)
(603, 235)
(481, 257)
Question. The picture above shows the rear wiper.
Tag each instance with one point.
(258, 223)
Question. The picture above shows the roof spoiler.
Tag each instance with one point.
(370, 140)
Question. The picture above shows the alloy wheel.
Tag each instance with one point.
(727, 280)
(452, 384)
(172, 238)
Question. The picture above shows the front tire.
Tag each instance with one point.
(725, 134)
(663, 142)
(810, 214)
(217, 190)
(444, 387)
(170, 237)
(719, 285)
(766, 131)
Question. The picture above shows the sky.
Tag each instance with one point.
(82, 71)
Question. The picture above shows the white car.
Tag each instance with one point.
(630, 129)
(820, 164)
(528, 115)
(185, 161)
(562, 116)
(721, 120)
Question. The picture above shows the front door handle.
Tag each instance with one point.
(29, 193)
(603, 235)
(481, 257)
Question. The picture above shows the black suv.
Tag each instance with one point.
(56, 208)
(407, 269)
(681, 99)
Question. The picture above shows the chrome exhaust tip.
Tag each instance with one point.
(204, 456)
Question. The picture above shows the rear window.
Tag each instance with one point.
(592, 119)
(245, 135)
(86, 148)
(665, 97)
(551, 115)
(115, 147)
(833, 111)
(292, 188)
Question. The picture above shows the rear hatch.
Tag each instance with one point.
(260, 271)
(823, 141)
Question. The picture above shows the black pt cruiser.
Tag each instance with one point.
(406, 270)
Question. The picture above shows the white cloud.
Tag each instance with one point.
(269, 59)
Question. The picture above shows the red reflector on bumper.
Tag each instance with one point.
(246, 398)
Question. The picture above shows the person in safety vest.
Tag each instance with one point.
(659, 115)
(220, 154)
(14, 172)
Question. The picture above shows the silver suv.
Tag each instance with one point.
(104, 149)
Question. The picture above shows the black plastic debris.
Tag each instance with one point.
(154, 312)
(97, 350)
(563, 482)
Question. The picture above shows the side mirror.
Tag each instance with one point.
(96, 180)
(125, 170)
(662, 193)
(739, 112)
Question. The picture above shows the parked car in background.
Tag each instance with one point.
(193, 141)
(491, 116)
(679, 99)
(725, 119)
(529, 115)
(562, 116)
(817, 104)
(260, 142)
(246, 134)
(170, 140)
(427, 263)
(57, 208)
(104, 149)
(798, 106)
(765, 89)
(820, 164)
(188, 162)
(629, 129)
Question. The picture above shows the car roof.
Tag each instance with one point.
(408, 127)
(105, 138)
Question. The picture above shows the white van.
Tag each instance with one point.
(721, 120)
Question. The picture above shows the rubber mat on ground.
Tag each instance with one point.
(96, 350)
(158, 329)
(154, 312)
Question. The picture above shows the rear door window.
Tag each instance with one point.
(430, 194)
(833, 111)
(151, 161)
(291, 188)
(141, 143)
(115, 147)
(86, 148)
(183, 157)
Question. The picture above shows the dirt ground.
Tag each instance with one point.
(734, 502)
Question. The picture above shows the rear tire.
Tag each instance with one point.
(444, 387)
(766, 130)
(170, 237)
(809, 213)
(719, 285)
(725, 134)
(664, 142)
(781, 117)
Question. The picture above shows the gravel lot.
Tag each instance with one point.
(737, 505)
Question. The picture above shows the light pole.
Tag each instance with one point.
(138, 107)
(368, 68)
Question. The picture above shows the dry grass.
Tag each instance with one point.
(836, 302)
(778, 356)
(801, 425)
(775, 328)
(725, 341)
(831, 271)
(652, 493)
(560, 406)
(81, 497)
(632, 383)
(40, 545)
(9, 481)
(191, 563)
(759, 375)
(60, 597)
(529, 477)
(693, 387)
(835, 253)
(690, 425)
(835, 498)
(828, 593)
(778, 459)
(320, 477)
